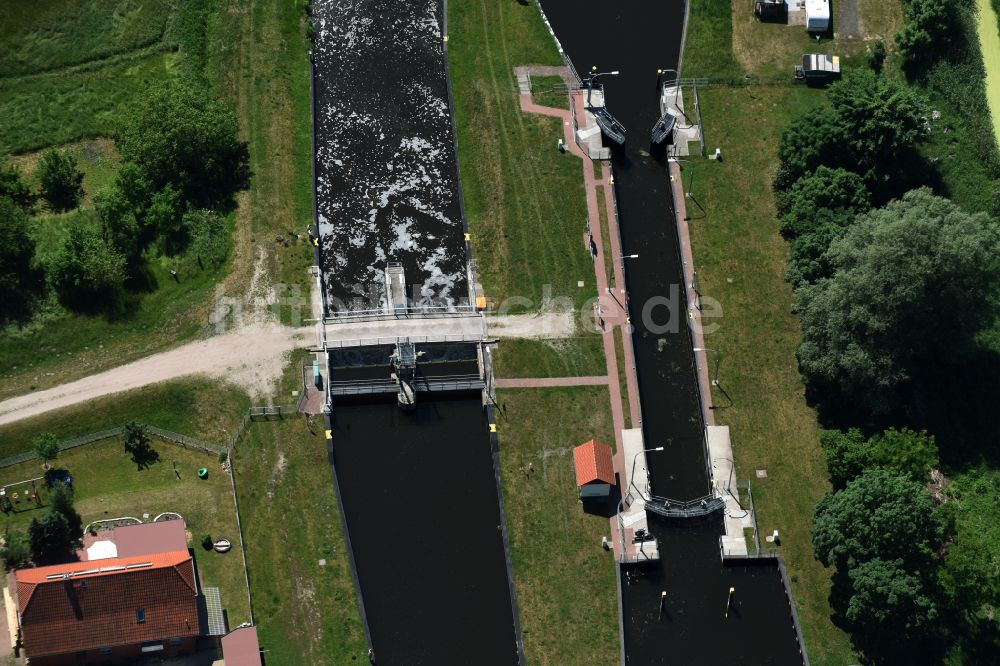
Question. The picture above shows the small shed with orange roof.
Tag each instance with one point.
(595, 472)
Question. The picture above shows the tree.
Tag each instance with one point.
(905, 452)
(61, 180)
(846, 454)
(892, 611)
(911, 453)
(910, 283)
(808, 262)
(137, 445)
(62, 503)
(882, 120)
(87, 273)
(46, 446)
(879, 515)
(872, 123)
(813, 139)
(876, 56)
(50, 537)
(826, 196)
(119, 226)
(165, 215)
(931, 27)
(13, 187)
(19, 282)
(178, 135)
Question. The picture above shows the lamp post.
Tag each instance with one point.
(591, 79)
(631, 479)
(718, 360)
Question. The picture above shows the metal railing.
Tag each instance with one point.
(410, 312)
(696, 508)
(371, 342)
(466, 382)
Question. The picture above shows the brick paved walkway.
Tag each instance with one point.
(610, 309)
(544, 382)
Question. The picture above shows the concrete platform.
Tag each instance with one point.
(588, 134)
(632, 517)
(737, 518)
(686, 130)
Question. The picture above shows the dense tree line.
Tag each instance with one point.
(895, 287)
(183, 164)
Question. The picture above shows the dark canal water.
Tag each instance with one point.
(420, 498)
(386, 171)
(637, 38)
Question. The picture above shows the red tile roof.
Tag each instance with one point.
(90, 605)
(593, 463)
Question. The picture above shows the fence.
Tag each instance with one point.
(177, 438)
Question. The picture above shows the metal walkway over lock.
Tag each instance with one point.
(388, 386)
(697, 508)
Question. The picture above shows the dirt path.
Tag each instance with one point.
(252, 358)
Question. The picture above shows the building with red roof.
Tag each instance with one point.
(112, 607)
(595, 471)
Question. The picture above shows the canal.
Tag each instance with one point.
(386, 171)
(637, 38)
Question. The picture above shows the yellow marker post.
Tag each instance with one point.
(468, 237)
(493, 427)
(329, 434)
(729, 600)
(446, 38)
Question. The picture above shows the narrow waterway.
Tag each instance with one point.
(386, 171)
(420, 500)
(637, 38)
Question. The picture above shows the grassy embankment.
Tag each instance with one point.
(307, 612)
(524, 200)
(527, 214)
(565, 581)
(75, 70)
(741, 261)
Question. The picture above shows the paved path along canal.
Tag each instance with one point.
(637, 38)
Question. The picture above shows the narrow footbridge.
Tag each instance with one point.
(676, 509)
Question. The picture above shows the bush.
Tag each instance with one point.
(61, 180)
(13, 187)
(206, 541)
(209, 238)
(87, 273)
(16, 549)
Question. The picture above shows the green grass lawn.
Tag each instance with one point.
(259, 62)
(741, 261)
(524, 199)
(194, 407)
(567, 357)
(57, 33)
(308, 613)
(565, 581)
(107, 484)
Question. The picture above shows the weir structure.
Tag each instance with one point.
(700, 597)
(410, 428)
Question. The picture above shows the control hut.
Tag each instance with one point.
(595, 475)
